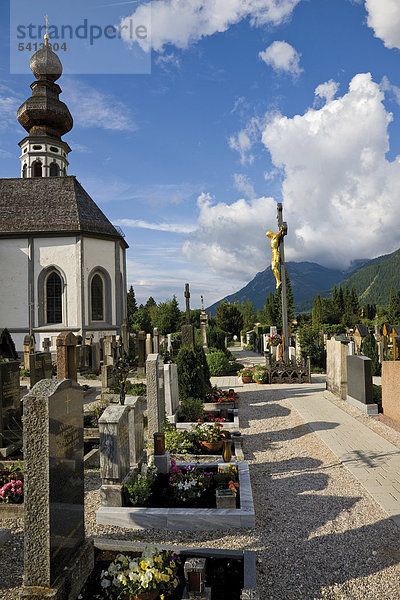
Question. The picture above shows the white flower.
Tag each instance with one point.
(105, 583)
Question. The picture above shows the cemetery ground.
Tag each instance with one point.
(319, 533)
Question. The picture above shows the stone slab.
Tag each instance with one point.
(359, 379)
(11, 511)
(193, 519)
(369, 409)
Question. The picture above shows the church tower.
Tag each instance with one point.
(46, 119)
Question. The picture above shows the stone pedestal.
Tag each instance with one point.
(136, 428)
(156, 341)
(155, 393)
(149, 344)
(162, 462)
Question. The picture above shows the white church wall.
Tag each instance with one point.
(99, 253)
(61, 252)
(14, 283)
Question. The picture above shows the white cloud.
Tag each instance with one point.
(230, 239)
(184, 22)
(92, 108)
(168, 61)
(170, 227)
(328, 90)
(244, 185)
(384, 19)
(245, 139)
(9, 104)
(282, 57)
(340, 192)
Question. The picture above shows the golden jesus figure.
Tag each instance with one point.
(276, 255)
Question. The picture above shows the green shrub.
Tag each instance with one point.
(193, 373)
(191, 409)
(218, 363)
(139, 487)
(216, 338)
(179, 441)
(132, 389)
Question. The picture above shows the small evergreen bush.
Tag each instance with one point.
(191, 409)
(218, 363)
(193, 373)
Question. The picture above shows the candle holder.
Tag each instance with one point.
(195, 577)
(159, 444)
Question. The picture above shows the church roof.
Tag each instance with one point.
(50, 205)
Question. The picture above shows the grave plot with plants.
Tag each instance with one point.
(11, 491)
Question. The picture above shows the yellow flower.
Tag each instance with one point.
(143, 565)
(162, 597)
(169, 571)
(176, 583)
(172, 564)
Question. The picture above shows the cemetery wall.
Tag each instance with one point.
(390, 389)
(336, 368)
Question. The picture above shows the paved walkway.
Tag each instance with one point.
(373, 461)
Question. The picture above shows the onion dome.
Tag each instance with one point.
(45, 64)
(43, 114)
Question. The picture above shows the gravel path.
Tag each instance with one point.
(318, 535)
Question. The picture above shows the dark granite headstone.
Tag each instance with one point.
(54, 485)
(40, 367)
(7, 346)
(141, 338)
(359, 379)
(83, 358)
(10, 405)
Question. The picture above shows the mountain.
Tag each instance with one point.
(308, 279)
(374, 279)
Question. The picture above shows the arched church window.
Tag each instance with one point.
(53, 298)
(97, 298)
(54, 170)
(37, 169)
(24, 171)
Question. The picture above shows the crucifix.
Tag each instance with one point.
(285, 331)
(187, 296)
(67, 401)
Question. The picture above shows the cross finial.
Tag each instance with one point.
(202, 303)
(46, 37)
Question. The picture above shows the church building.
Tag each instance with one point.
(62, 263)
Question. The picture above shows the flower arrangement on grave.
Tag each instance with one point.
(96, 413)
(260, 375)
(190, 482)
(179, 441)
(153, 574)
(11, 485)
(228, 479)
(218, 395)
(208, 433)
(139, 488)
(209, 416)
(275, 340)
(246, 375)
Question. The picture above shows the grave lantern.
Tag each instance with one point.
(159, 444)
(195, 577)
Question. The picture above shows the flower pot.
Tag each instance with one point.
(247, 380)
(144, 596)
(212, 446)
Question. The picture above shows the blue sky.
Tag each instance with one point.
(248, 102)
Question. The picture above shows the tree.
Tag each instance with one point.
(317, 313)
(151, 308)
(269, 310)
(131, 307)
(311, 345)
(247, 311)
(354, 301)
(370, 348)
(394, 307)
(228, 318)
(141, 320)
(167, 317)
(193, 373)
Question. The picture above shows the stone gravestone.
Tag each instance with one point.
(114, 453)
(7, 346)
(40, 367)
(136, 428)
(29, 348)
(156, 341)
(171, 393)
(109, 350)
(203, 331)
(359, 384)
(95, 356)
(169, 342)
(56, 554)
(66, 356)
(187, 330)
(83, 358)
(149, 344)
(109, 378)
(155, 394)
(46, 345)
(141, 351)
(10, 407)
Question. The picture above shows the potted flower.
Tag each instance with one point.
(152, 574)
(246, 375)
(209, 436)
(260, 375)
(274, 340)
